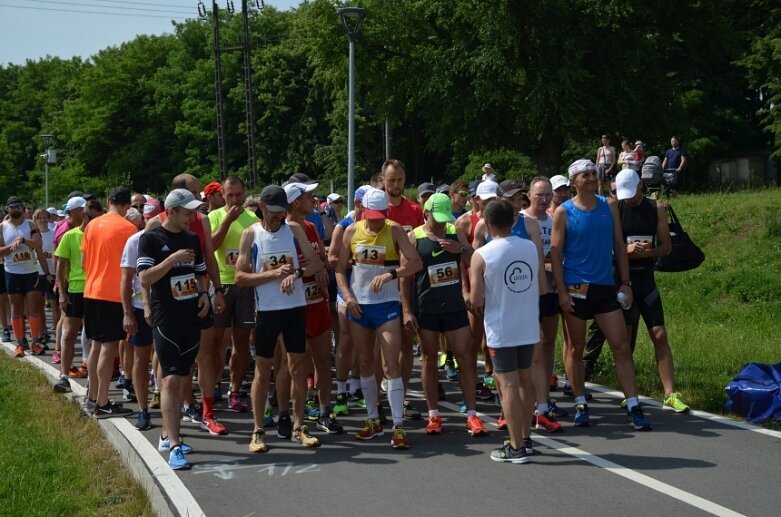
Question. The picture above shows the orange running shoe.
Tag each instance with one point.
(475, 426)
(36, 349)
(371, 428)
(78, 373)
(501, 423)
(434, 425)
(19, 351)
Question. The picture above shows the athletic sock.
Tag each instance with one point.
(369, 388)
(17, 323)
(341, 386)
(542, 408)
(433, 412)
(580, 400)
(396, 400)
(208, 405)
(355, 384)
(471, 412)
(631, 403)
(86, 346)
(36, 326)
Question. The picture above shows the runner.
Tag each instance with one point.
(170, 264)
(437, 307)
(268, 264)
(506, 273)
(213, 195)
(19, 240)
(374, 245)
(318, 314)
(42, 220)
(561, 192)
(586, 240)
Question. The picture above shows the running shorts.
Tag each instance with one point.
(176, 348)
(288, 322)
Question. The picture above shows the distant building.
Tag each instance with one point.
(748, 167)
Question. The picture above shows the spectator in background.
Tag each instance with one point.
(606, 163)
(213, 195)
(333, 206)
(673, 165)
(488, 173)
(627, 158)
(639, 153)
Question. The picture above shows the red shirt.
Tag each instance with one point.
(407, 214)
(312, 293)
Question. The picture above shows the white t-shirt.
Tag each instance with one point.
(512, 292)
(271, 251)
(47, 249)
(21, 261)
(129, 260)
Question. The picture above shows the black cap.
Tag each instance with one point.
(13, 200)
(120, 196)
(300, 177)
(275, 198)
(426, 188)
(79, 193)
(510, 187)
(473, 187)
(443, 189)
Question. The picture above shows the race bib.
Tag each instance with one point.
(579, 291)
(184, 287)
(312, 293)
(276, 259)
(21, 257)
(441, 275)
(369, 255)
(231, 256)
(48, 254)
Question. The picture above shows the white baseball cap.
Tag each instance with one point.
(295, 190)
(75, 202)
(559, 181)
(626, 184)
(375, 204)
(333, 197)
(181, 198)
(487, 190)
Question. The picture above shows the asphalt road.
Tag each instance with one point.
(688, 465)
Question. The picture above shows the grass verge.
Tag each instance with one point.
(54, 460)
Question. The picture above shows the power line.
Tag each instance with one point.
(92, 12)
(157, 4)
(82, 4)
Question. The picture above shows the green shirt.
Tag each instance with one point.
(227, 254)
(70, 249)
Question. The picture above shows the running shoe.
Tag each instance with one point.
(501, 422)
(258, 441)
(110, 409)
(56, 359)
(434, 425)
(489, 381)
(410, 413)
(555, 410)
(581, 416)
(340, 408)
(62, 386)
(554, 382)
(128, 393)
(311, 411)
(164, 445)
(547, 422)
(88, 405)
(357, 399)
(675, 403)
(475, 426)
(451, 373)
(25, 344)
(121, 382)
(482, 392)
(528, 445)
(19, 351)
(462, 407)
(371, 428)
(381, 416)
(302, 436)
(569, 392)
(176, 459)
(155, 402)
(235, 403)
(384, 385)
(506, 454)
(284, 427)
(143, 422)
(329, 424)
(268, 417)
(441, 395)
(210, 424)
(192, 414)
(638, 419)
(6, 334)
(78, 373)
(36, 348)
(399, 439)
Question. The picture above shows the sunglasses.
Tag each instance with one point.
(16, 205)
(463, 193)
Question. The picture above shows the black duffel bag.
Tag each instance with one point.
(685, 254)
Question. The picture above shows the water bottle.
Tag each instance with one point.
(623, 300)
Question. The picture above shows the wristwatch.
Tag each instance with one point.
(463, 249)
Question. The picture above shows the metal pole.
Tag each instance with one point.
(351, 129)
(248, 103)
(387, 139)
(218, 92)
(46, 175)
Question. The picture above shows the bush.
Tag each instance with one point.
(507, 164)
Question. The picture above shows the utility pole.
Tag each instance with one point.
(248, 94)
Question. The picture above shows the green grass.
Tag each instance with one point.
(53, 460)
(725, 313)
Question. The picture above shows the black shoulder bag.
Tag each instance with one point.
(685, 254)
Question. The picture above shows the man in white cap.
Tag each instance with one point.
(586, 241)
(488, 173)
(375, 246)
(171, 265)
(647, 236)
(561, 192)
(333, 205)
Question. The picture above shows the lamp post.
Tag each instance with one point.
(352, 18)
(47, 142)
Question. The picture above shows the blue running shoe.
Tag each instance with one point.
(268, 417)
(451, 372)
(638, 419)
(462, 407)
(176, 459)
(556, 410)
(581, 416)
(143, 422)
(311, 412)
(164, 445)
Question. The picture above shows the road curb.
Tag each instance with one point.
(168, 495)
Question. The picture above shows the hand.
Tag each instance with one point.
(380, 280)
(322, 281)
(468, 303)
(410, 321)
(63, 302)
(203, 305)
(566, 303)
(148, 314)
(18, 242)
(353, 309)
(288, 283)
(637, 249)
(182, 256)
(129, 323)
(628, 292)
(219, 302)
(450, 246)
(234, 212)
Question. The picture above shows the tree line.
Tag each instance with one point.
(525, 85)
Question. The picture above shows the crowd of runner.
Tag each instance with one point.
(176, 288)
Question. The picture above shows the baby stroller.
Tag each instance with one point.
(652, 175)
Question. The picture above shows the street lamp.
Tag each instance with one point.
(352, 17)
(47, 142)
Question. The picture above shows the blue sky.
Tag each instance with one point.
(37, 28)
